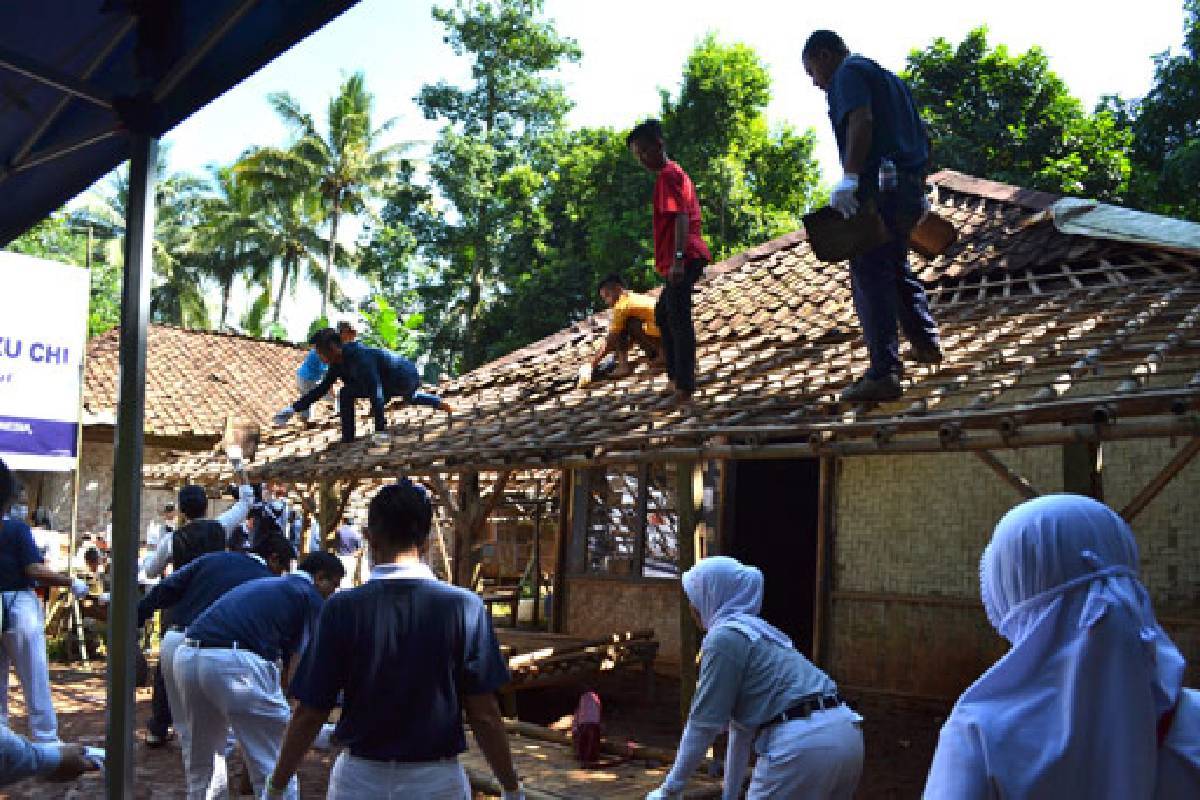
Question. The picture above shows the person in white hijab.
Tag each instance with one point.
(769, 697)
(1088, 702)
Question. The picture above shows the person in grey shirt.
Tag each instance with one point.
(769, 696)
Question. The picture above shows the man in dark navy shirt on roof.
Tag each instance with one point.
(190, 591)
(228, 673)
(378, 375)
(879, 133)
(409, 654)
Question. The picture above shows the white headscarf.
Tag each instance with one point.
(1072, 710)
(725, 591)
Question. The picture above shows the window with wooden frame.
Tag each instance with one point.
(630, 524)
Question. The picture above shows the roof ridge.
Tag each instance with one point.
(1031, 199)
(115, 331)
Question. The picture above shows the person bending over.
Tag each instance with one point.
(772, 698)
(632, 323)
(365, 372)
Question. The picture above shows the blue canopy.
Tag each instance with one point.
(77, 77)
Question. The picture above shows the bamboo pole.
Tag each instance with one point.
(1012, 478)
(1159, 481)
(687, 506)
(1012, 422)
(72, 543)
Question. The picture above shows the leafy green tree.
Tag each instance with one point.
(754, 183)
(1166, 129)
(177, 296)
(231, 235)
(490, 158)
(345, 165)
(62, 237)
(1012, 119)
(288, 230)
(384, 327)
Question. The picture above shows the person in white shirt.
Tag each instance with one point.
(156, 563)
(1089, 701)
(158, 527)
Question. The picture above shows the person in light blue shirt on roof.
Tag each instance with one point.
(309, 375)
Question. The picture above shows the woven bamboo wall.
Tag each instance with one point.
(909, 534)
(600, 606)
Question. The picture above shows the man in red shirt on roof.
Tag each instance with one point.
(679, 254)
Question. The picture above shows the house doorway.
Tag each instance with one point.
(772, 524)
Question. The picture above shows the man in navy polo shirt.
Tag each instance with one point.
(189, 592)
(23, 641)
(408, 654)
(228, 673)
(878, 132)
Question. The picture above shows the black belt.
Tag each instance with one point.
(806, 707)
(224, 644)
(431, 760)
(176, 628)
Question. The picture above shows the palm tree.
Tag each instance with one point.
(345, 165)
(178, 295)
(231, 234)
(291, 214)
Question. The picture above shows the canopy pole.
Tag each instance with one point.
(127, 468)
(73, 542)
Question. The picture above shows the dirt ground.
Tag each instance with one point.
(900, 736)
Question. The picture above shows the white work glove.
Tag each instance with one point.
(283, 416)
(842, 198)
(78, 588)
(269, 792)
(663, 793)
(585, 375)
(515, 794)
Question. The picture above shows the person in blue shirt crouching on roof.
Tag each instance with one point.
(370, 372)
(408, 654)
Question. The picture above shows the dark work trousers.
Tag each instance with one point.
(160, 711)
(673, 315)
(884, 287)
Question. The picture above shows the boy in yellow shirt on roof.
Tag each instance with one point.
(632, 323)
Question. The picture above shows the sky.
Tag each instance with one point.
(633, 48)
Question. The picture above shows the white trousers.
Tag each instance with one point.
(816, 758)
(220, 689)
(358, 778)
(24, 647)
(166, 662)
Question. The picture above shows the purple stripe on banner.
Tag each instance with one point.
(37, 437)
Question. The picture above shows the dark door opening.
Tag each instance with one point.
(772, 524)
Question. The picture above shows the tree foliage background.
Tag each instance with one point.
(499, 234)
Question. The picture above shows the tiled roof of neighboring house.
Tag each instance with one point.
(194, 380)
(1037, 326)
